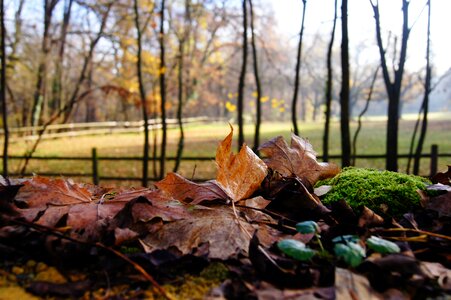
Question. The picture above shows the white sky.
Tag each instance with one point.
(319, 17)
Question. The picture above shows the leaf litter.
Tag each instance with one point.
(141, 243)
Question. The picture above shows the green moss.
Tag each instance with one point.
(215, 271)
(384, 192)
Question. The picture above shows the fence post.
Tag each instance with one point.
(434, 159)
(95, 171)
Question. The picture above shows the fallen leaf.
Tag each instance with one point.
(369, 218)
(440, 203)
(59, 203)
(257, 202)
(239, 175)
(187, 191)
(349, 285)
(298, 159)
(217, 230)
(123, 234)
(443, 177)
(41, 191)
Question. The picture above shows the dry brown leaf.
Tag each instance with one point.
(185, 190)
(440, 203)
(298, 159)
(60, 203)
(239, 175)
(51, 192)
(215, 231)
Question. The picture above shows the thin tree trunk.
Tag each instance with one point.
(39, 94)
(427, 90)
(393, 88)
(344, 93)
(179, 107)
(142, 93)
(21, 115)
(359, 120)
(56, 102)
(3, 91)
(181, 86)
(86, 62)
(162, 92)
(297, 75)
(257, 81)
(329, 88)
(242, 83)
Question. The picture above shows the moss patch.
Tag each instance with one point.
(384, 192)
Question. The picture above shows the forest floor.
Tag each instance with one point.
(259, 231)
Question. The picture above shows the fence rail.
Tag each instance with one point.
(79, 129)
(97, 177)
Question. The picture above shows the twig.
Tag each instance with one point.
(437, 235)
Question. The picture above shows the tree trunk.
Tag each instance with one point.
(39, 94)
(56, 102)
(74, 96)
(258, 112)
(242, 83)
(393, 87)
(297, 75)
(162, 93)
(427, 90)
(3, 91)
(329, 88)
(142, 93)
(344, 93)
(359, 120)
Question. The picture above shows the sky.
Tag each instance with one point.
(319, 16)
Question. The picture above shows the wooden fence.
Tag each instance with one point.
(78, 129)
(96, 160)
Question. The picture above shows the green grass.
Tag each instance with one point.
(202, 140)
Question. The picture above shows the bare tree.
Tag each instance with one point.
(257, 81)
(39, 94)
(297, 75)
(344, 93)
(86, 62)
(142, 93)
(359, 120)
(329, 88)
(162, 91)
(58, 76)
(3, 90)
(182, 37)
(427, 91)
(242, 83)
(393, 87)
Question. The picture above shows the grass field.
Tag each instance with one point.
(202, 140)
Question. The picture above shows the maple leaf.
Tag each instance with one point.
(61, 203)
(239, 175)
(51, 192)
(298, 159)
(215, 233)
(187, 191)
